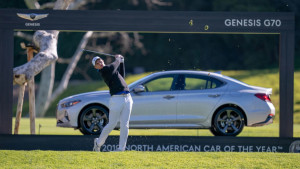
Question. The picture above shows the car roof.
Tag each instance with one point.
(217, 75)
(188, 72)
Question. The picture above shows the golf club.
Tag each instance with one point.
(101, 53)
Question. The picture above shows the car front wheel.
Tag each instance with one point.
(228, 121)
(92, 120)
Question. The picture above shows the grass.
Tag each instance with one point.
(47, 126)
(134, 159)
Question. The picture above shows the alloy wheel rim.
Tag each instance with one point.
(94, 120)
(229, 122)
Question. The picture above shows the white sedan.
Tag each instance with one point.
(178, 100)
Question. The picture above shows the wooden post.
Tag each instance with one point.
(19, 108)
(31, 92)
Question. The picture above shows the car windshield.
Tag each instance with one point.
(138, 81)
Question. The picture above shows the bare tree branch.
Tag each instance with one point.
(160, 3)
(126, 42)
(23, 35)
(83, 72)
(97, 35)
(64, 60)
(134, 2)
(76, 4)
(152, 3)
(62, 4)
(65, 80)
(49, 5)
(32, 4)
(138, 43)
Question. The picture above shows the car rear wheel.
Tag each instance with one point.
(228, 121)
(92, 120)
(214, 132)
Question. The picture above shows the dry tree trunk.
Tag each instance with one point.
(46, 40)
(45, 89)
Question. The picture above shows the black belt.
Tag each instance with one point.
(122, 93)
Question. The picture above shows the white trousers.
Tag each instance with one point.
(120, 109)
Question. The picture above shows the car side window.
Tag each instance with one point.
(193, 82)
(213, 83)
(159, 84)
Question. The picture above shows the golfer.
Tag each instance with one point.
(120, 103)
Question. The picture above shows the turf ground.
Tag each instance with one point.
(134, 159)
(48, 126)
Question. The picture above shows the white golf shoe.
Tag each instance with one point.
(96, 147)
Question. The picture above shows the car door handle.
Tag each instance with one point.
(169, 97)
(214, 95)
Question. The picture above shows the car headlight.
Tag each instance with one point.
(70, 103)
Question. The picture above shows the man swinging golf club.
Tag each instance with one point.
(120, 103)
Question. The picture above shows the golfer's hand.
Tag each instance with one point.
(120, 57)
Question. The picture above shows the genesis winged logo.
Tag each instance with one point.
(32, 16)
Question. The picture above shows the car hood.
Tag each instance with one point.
(88, 94)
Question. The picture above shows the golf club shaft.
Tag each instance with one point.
(101, 53)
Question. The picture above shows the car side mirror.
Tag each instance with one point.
(139, 88)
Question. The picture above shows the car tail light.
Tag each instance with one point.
(263, 97)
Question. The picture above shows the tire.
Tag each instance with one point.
(228, 121)
(92, 120)
(214, 132)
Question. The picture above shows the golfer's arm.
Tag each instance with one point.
(122, 69)
(115, 65)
